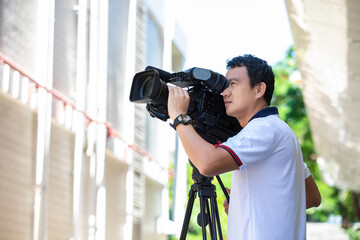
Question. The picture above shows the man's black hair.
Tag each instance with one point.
(258, 71)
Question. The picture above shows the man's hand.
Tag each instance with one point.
(313, 197)
(226, 204)
(178, 102)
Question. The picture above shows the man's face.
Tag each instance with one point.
(239, 97)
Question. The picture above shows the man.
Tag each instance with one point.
(268, 188)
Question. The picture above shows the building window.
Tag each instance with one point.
(154, 42)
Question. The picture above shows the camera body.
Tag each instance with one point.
(206, 106)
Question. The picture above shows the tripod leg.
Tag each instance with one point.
(203, 216)
(216, 214)
(192, 196)
(215, 217)
(211, 222)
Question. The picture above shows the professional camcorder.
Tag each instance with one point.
(206, 106)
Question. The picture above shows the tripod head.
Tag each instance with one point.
(197, 176)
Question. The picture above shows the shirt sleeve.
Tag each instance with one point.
(251, 145)
(232, 153)
(307, 172)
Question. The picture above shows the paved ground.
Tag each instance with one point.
(325, 231)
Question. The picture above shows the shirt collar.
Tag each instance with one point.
(265, 112)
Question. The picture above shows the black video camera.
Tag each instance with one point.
(206, 106)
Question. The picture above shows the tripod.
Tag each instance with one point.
(209, 213)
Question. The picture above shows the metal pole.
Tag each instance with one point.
(81, 77)
(45, 39)
(128, 118)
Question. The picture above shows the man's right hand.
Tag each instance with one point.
(178, 101)
(226, 204)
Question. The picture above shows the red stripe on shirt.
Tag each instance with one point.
(232, 153)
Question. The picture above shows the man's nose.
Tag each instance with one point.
(225, 92)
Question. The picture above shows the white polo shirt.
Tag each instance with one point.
(268, 191)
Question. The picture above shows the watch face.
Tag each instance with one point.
(186, 118)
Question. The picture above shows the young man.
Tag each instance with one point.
(268, 189)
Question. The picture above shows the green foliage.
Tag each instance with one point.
(354, 234)
(288, 99)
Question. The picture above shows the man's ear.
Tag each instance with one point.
(260, 90)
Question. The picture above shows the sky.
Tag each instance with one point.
(219, 30)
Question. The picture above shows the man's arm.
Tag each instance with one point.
(207, 158)
(313, 197)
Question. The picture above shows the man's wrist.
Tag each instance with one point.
(181, 119)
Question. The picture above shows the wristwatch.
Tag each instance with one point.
(181, 119)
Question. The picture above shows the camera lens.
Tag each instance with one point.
(147, 87)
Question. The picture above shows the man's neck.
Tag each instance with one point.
(245, 120)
